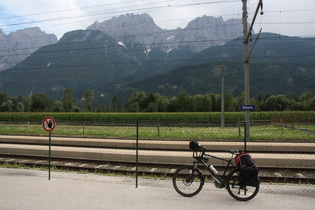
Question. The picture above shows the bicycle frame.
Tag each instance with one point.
(188, 180)
(203, 158)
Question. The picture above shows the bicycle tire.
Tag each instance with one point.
(188, 181)
(237, 191)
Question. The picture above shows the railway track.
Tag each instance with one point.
(278, 162)
(267, 174)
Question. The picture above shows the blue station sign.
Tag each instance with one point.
(247, 107)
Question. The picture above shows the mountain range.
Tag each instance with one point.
(131, 53)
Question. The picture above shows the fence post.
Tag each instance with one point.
(292, 119)
(245, 133)
(49, 155)
(137, 152)
(239, 128)
(281, 124)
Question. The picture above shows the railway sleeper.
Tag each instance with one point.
(282, 176)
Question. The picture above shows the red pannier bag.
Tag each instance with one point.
(247, 168)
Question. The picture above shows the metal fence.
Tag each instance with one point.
(148, 153)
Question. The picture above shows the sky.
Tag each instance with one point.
(286, 17)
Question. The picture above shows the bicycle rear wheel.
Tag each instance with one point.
(188, 181)
(237, 191)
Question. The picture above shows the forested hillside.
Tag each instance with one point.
(278, 65)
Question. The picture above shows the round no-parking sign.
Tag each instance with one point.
(49, 124)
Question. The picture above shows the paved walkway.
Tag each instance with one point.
(27, 190)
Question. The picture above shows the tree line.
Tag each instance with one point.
(141, 102)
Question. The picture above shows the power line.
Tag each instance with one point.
(102, 63)
(153, 33)
(187, 29)
(286, 39)
(121, 11)
(134, 50)
(296, 10)
(67, 10)
(148, 34)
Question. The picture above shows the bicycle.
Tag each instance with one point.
(188, 180)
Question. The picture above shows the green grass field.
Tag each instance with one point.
(263, 132)
(308, 127)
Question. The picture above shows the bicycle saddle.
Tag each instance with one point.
(232, 151)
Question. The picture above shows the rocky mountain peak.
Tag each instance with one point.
(205, 21)
(201, 33)
(124, 21)
(131, 30)
(18, 45)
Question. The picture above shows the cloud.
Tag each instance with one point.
(53, 16)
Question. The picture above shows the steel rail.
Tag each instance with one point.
(165, 170)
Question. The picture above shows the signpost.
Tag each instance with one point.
(246, 108)
(49, 124)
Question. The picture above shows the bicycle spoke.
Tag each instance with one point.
(238, 191)
(187, 181)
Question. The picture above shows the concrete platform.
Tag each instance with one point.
(31, 190)
(151, 156)
(159, 144)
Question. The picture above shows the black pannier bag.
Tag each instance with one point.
(248, 169)
(194, 145)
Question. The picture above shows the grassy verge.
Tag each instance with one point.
(308, 127)
(266, 132)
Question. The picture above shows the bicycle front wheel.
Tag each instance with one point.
(188, 181)
(238, 191)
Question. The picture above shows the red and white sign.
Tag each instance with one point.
(49, 124)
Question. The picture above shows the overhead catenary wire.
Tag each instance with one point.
(150, 8)
(67, 10)
(135, 49)
(89, 75)
(56, 66)
(137, 34)
(120, 11)
(192, 42)
(129, 36)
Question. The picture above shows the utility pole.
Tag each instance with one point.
(222, 96)
(247, 34)
(246, 69)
